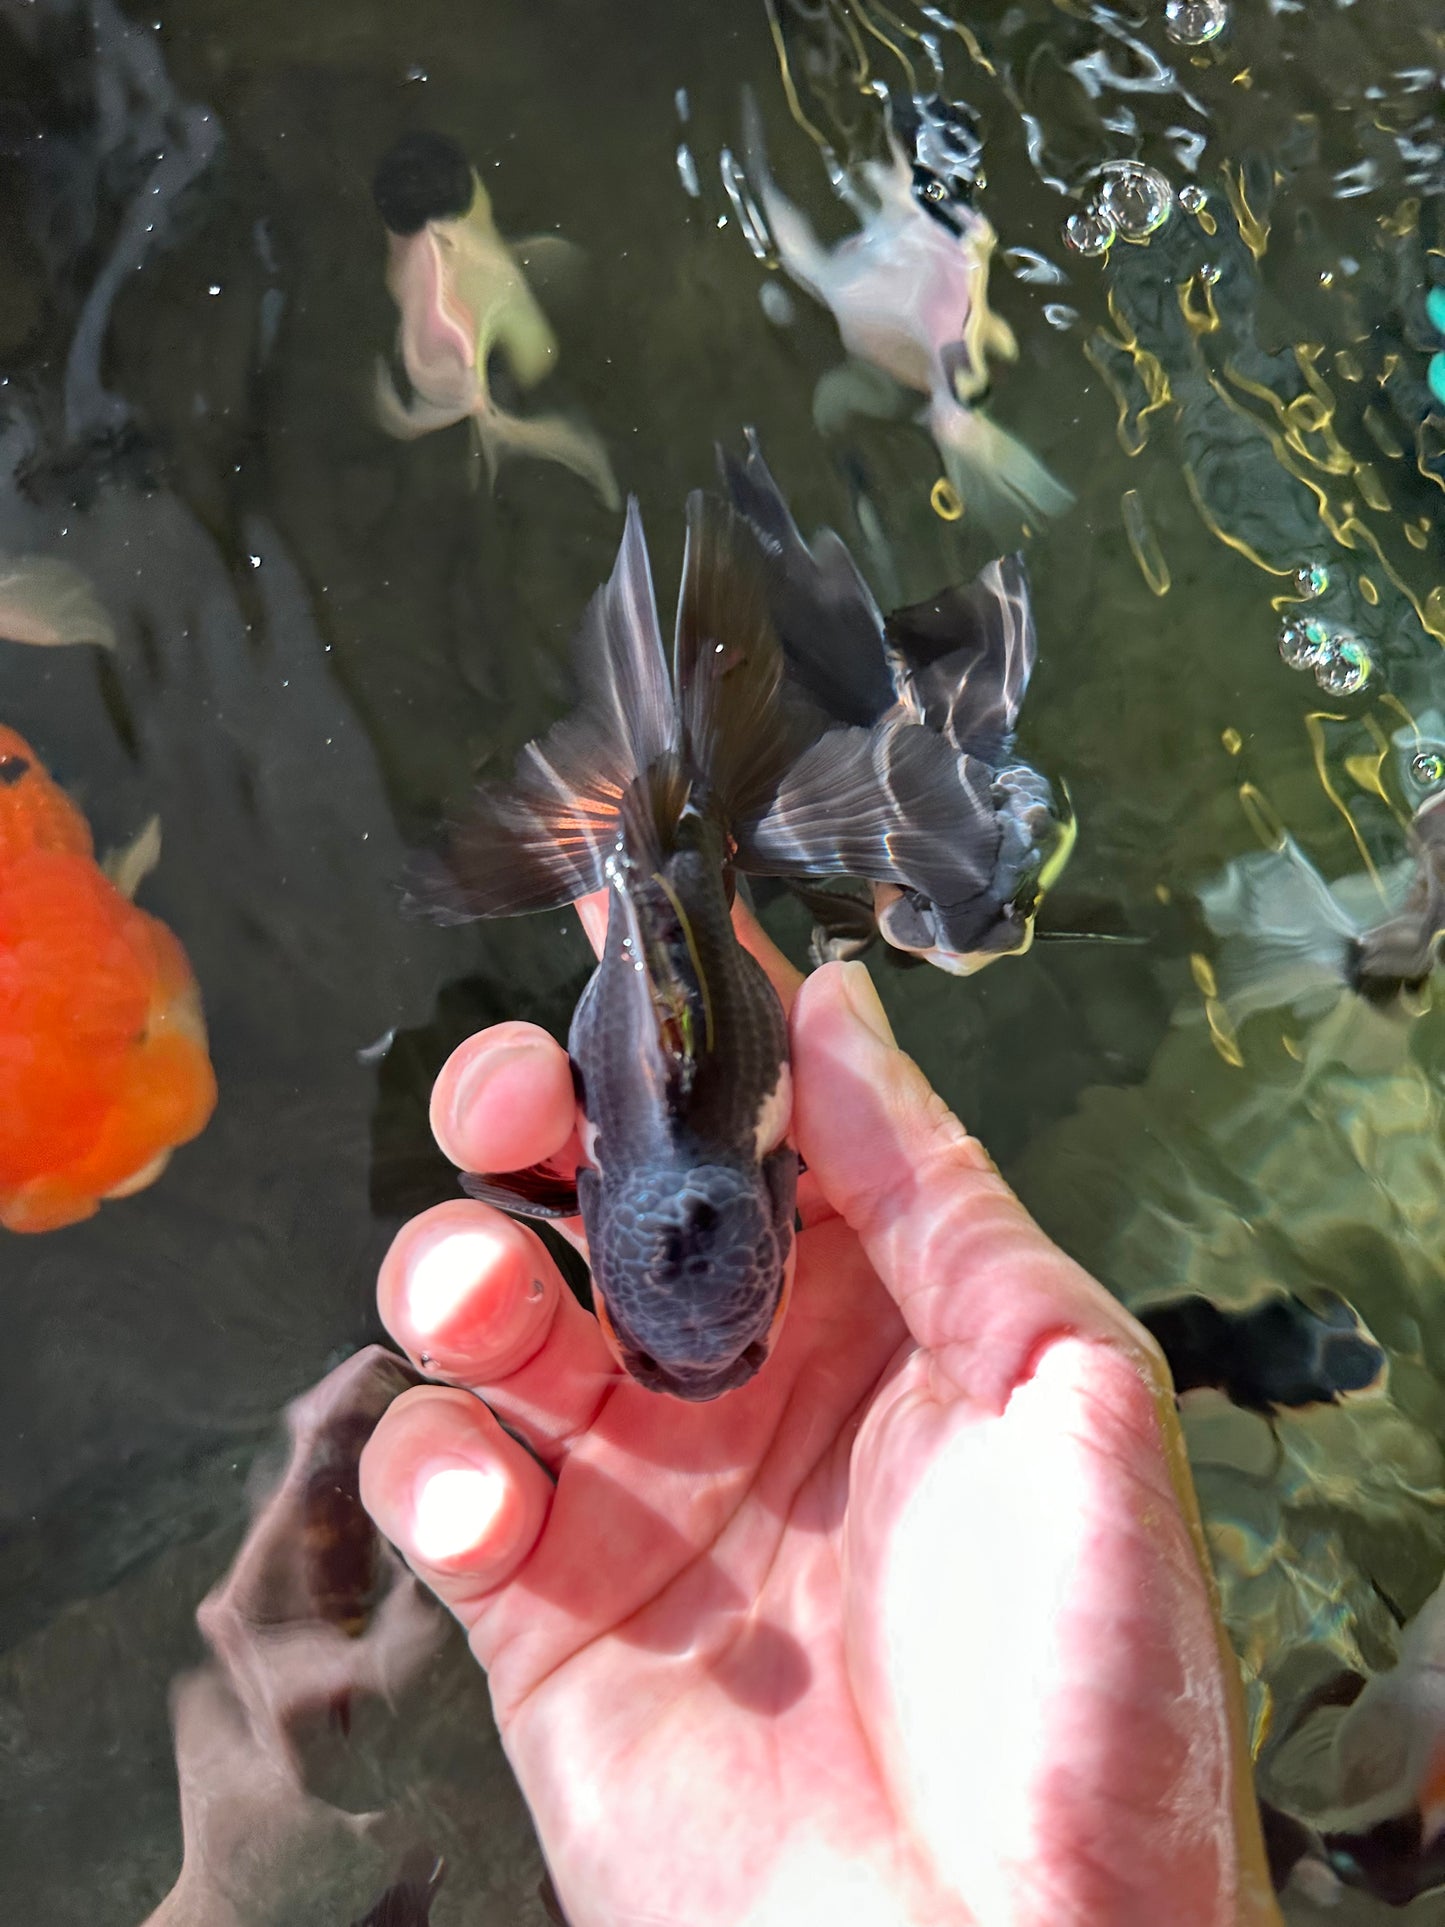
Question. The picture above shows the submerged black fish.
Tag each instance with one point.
(923, 794)
(1280, 1354)
(1291, 938)
(653, 787)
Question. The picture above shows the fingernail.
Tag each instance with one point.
(455, 1509)
(863, 1001)
(472, 1085)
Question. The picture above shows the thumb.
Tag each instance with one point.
(976, 1280)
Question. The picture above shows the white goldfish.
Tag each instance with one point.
(909, 292)
(463, 298)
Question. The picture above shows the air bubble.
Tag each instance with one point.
(1304, 644)
(1192, 197)
(1345, 669)
(1089, 231)
(1136, 199)
(1428, 766)
(1193, 23)
(1311, 579)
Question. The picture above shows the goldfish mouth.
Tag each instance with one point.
(696, 1385)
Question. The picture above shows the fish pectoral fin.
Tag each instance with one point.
(857, 388)
(548, 256)
(537, 1192)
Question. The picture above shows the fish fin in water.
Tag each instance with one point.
(803, 255)
(968, 655)
(542, 840)
(129, 866)
(548, 438)
(741, 732)
(537, 1192)
(890, 804)
(50, 603)
(1284, 937)
(830, 627)
(995, 477)
(857, 388)
(844, 922)
(409, 421)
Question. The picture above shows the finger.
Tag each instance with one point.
(504, 1099)
(751, 935)
(979, 1284)
(474, 1297)
(461, 1502)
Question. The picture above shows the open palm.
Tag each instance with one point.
(912, 1628)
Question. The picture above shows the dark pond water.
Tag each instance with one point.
(321, 631)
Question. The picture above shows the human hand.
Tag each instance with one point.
(913, 1628)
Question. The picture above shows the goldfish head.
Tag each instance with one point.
(690, 1269)
(962, 937)
(423, 178)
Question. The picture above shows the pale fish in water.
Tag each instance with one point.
(909, 292)
(463, 298)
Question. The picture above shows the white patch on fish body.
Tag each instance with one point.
(775, 1114)
(587, 1134)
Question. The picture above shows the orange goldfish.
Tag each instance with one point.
(103, 1060)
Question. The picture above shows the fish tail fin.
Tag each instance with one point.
(993, 474)
(1284, 937)
(49, 602)
(542, 840)
(830, 628)
(740, 729)
(548, 438)
(969, 653)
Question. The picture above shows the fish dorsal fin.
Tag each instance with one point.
(740, 731)
(827, 621)
(542, 840)
(967, 656)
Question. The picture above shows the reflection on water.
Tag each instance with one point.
(319, 632)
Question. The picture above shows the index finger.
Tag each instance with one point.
(751, 935)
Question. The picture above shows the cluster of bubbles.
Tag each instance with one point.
(1340, 661)
(1193, 23)
(1132, 201)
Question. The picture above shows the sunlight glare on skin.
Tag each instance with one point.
(446, 1274)
(456, 1507)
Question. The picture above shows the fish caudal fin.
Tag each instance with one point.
(888, 804)
(741, 730)
(46, 601)
(1285, 938)
(542, 840)
(548, 438)
(830, 627)
(994, 476)
(968, 654)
